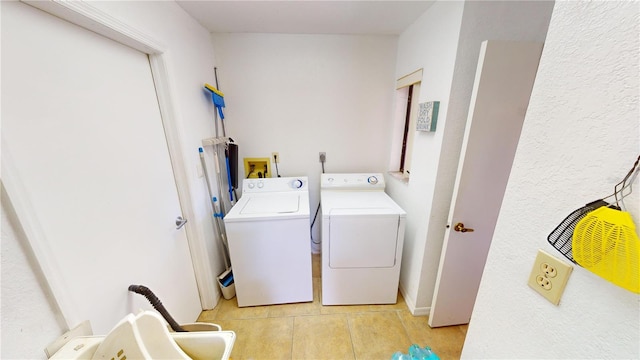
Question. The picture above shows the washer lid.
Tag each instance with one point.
(270, 206)
(284, 203)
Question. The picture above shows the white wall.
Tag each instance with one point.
(299, 95)
(431, 44)
(29, 325)
(445, 41)
(580, 137)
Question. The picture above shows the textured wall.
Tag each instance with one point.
(580, 137)
(30, 318)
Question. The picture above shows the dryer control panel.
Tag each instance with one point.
(361, 181)
(282, 184)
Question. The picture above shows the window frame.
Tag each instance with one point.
(405, 121)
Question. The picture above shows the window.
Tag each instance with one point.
(407, 94)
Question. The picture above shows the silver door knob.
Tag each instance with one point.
(180, 222)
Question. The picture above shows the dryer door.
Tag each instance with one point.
(362, 240)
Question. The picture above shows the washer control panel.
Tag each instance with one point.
(361, 181)
(281, 184)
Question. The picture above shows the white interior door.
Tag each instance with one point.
(504, 79)
(81, 121)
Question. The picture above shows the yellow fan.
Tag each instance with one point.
(605, 242)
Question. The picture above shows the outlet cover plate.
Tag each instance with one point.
(549, 276)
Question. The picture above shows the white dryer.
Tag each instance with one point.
(362, 239)
(269, 242)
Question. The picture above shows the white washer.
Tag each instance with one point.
(269, 242)
(362, 238)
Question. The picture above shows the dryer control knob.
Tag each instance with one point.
(372, 180)
(260, 184)
(297, 183)
(251, 185)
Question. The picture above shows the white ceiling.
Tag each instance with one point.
(306, 16)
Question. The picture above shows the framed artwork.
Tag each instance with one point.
(428, 116)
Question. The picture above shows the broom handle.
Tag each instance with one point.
(215, 73)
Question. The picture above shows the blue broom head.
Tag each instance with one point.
(217, 97)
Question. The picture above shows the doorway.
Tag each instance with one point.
(504, 79)
(83, 131)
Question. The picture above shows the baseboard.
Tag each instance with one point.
(415, 311)
(421, 311)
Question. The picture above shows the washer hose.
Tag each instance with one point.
(157, 304)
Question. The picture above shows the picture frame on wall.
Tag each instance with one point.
(428, 116)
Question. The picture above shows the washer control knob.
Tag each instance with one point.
(260, 184)
(297, 183)
(251, 185)
(372, 180)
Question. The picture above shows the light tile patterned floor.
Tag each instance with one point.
(312, 331)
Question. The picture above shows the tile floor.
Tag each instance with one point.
(313, 331)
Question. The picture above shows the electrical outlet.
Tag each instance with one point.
(323, 157)
(549, 276)
(276, 157)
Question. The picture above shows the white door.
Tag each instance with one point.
(504, 79)
(81, 122)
